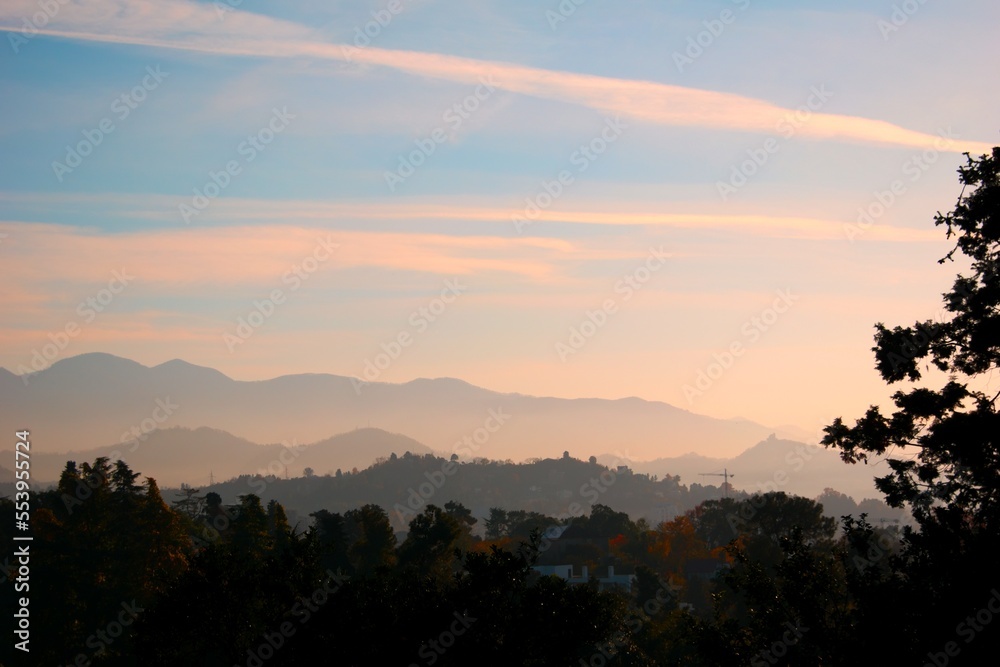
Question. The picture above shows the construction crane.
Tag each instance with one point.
(725, 474)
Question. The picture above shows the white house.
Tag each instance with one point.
(610, 582)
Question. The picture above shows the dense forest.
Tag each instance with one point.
(124, 576)
(119, 575)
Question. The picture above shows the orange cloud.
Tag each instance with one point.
(49, 255)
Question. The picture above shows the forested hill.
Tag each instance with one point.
(404, 484)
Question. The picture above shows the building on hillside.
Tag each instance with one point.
(609, 582)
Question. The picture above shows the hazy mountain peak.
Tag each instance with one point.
(369, 435)
(91, 400)
(180, 363)
(95, 362)
(179, 367)
(444, 383)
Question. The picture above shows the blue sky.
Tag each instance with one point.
(694, 151)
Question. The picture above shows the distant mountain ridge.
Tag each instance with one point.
(774, 464)
(179, 455)
(91, 400)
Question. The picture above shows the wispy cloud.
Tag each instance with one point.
(270, 216)
(177, 24)
(261, 254)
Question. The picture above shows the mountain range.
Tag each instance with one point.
(93, 400)
(181, 423)
(178, 455)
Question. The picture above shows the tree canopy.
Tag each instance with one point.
(941, 439)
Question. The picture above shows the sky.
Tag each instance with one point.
(703, 203)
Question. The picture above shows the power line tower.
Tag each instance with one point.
(724, 474)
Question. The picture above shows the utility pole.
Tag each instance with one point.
(724, 474)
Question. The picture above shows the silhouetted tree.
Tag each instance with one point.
(373, 540)
(250, 530)
(190, 504)
(431, 547)
(496, 525)
(941, 441)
